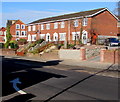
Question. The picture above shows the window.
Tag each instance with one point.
(76, 23)
(85, 20)
(34, 37)
(42, 36)
(22, 26)
(29, 28)
(17, 26)
(42, 27)
(75, 35)
(47, 26)
(55, 37)
(48, 37)
(62, 24)
(33, 27)
(23, 33)
(62, 36)
(1, 33)
(55, 25)
(17, 33)
(118, 24)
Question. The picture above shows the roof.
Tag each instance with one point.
(11, 22)
(67, 16)
(3, 29)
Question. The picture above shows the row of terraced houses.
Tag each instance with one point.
(69, 27)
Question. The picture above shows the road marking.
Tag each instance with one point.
(15, 82)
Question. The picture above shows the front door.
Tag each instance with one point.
(84, 37)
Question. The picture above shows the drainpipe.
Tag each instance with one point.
(69, 31)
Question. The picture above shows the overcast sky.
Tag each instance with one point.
(30, 11)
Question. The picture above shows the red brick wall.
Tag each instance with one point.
(110, 56)
(104, 23)
(13, 30)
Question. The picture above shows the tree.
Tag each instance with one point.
(8, 37)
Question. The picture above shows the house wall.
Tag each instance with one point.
(104, 24)
(13, 31)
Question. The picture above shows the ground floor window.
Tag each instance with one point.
(62, 36)
(48, 37)
(34, 37)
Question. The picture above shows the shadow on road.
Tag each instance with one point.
(24, 70)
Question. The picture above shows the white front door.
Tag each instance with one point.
(84, 37)
(29, 37)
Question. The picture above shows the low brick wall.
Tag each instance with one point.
(110, 56)
(11, 52)
(69, 54)
(72, 54)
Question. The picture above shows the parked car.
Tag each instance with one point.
(112, 41)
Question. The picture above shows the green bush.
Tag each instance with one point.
(13, 44)
(22, 41)
(70, 45)
(39, 41)
(1, 45)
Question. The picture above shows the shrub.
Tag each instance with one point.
(13, 44)
(70, 45)
(39, 41)
(22, 41)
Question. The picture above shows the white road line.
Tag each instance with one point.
(21, 92)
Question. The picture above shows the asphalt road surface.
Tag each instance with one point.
(44, 84)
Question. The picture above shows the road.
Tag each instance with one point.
(42, 82)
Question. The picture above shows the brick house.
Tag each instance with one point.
(72, 27)
(18, 29)
(2, 35)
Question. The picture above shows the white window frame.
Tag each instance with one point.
(77, 34)
(1, 33)
(47, 37)
(34, 37)
(55, 37)
(62, 24)
(16, 33)
(48, 26)
(33, 28)
(22, 26)
(76, 23)
(62, 36)
(85, 21)
(24, 33)
(55, 25)
(42, 36)
(29, 28)
(17, 26)
(42, 26)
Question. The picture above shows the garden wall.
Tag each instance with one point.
(110, 56)
(10, 52)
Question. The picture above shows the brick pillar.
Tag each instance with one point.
(83, 53)
(102, 53)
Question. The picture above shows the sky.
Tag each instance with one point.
(31, 11)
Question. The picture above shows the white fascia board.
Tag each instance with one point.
(102, 11)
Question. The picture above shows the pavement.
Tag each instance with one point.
(90, 66)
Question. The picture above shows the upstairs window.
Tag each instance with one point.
(17, 26)
(33, 27)
(29, 28)
(76, 23)
(22, 26)
(42, 27)
(85, 21)
(47, 26)
(55, 25)
(62, 24)
(1, 33)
